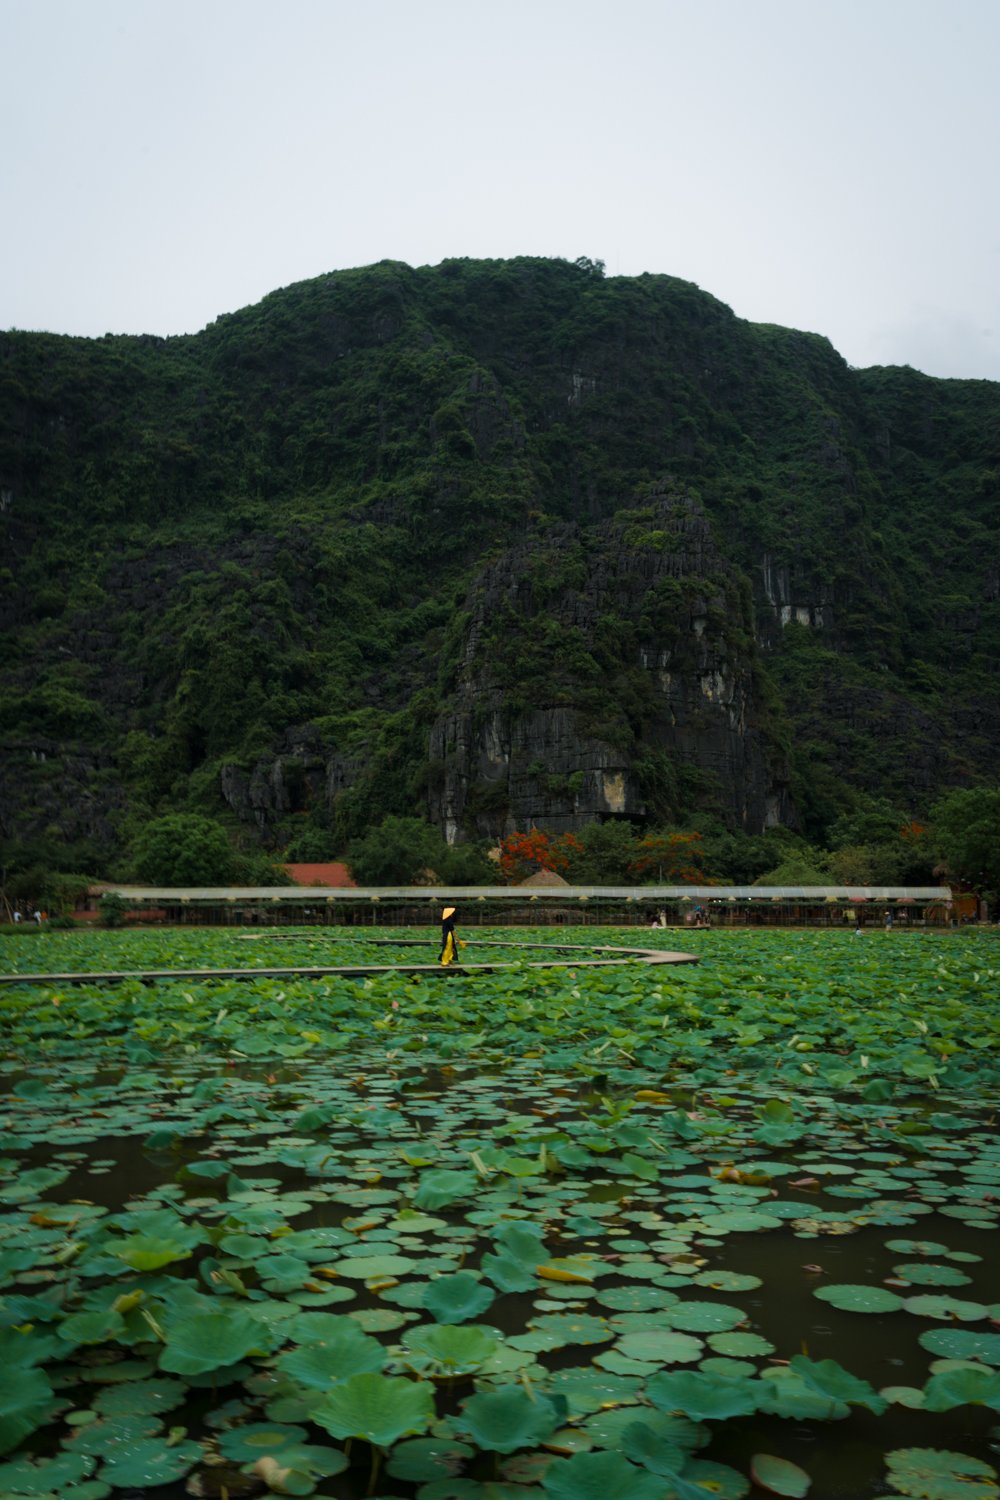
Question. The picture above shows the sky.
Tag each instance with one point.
(829, 165)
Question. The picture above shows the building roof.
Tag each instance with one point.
(463, 895)
(336, 875)
(546, 878)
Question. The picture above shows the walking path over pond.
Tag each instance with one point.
(364, 971)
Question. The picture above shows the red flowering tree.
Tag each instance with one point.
(671, 859)
(523, 854)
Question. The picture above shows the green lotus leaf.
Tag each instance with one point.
(139, 1397)
(149, 1462)
(309, 1460)
(374, 1267)
(702, 1397)
(727, 1281)
(701, 1477)
(646, 1447)
(922, 1274)
(955, 1309)
(590, 1390)
(660, 1346)
(455, 1349)
(91, 1327)
(30, 1185)
(600, 1476)
(572, 1328)
(935, 1474)
(779, 1475)
(109, 1435)
(455, 1299)
(505, 1419)
(507, 1273)
(212, 1340)
(740, 1345)
(783, 1393)
(256, 1439)
(948, 1388)
(25, 1398)
(421, 1459)
(916, 1247)
(863, 1299)
(962, 1343)
(344, 1351)
(828, 1378)
(636, 1298)
(145, 1252)
(704, 1317)
(379, 1408)
(160, 1223)
(442, 1186)
(26, 1476)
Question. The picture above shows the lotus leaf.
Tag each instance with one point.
(864, 1299)
(933, 1474)
(427, 1458)
(508, 1418)
(25, 1397)
(453, 1348)
(954, 1309)
(646, 1447)
(141, 1397)
(145, 1252)
(660, 1346)
(374, 1267)
(455, 1299)
(588, 1390)
(702, 1397)
(26, 1476)
(930, 1275)
(962, 1343)
(212, 1340)
(379, 1408)
(779, 1475)
(828, 1378)
(704, 1317)
(344, 1351)
(148, 1462)
(440, 1187)
(249, 1442)
(600, 1476)
(948, 1388)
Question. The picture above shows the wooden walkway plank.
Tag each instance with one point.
(362, 971)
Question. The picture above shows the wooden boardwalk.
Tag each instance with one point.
(365, 971)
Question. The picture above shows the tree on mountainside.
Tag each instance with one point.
(965, 829)
(183, 849)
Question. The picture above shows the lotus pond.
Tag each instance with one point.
(566, 1234)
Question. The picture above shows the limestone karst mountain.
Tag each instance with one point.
(493, 541)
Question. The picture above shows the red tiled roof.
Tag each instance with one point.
(335, 874)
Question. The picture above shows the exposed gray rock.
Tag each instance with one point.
(560, 716)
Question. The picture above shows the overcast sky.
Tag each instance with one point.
(824, 164)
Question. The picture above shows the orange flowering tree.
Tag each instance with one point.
(523, 854)
(671, 859)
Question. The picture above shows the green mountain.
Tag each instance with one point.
(494, 541)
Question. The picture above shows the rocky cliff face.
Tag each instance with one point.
(598, 666)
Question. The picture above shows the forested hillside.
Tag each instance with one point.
(491, 542)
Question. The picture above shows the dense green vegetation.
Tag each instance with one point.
(242, 566)
(542, 1235)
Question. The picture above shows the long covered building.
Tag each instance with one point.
(662, 906)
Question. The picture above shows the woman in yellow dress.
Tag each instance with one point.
(449, 942)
